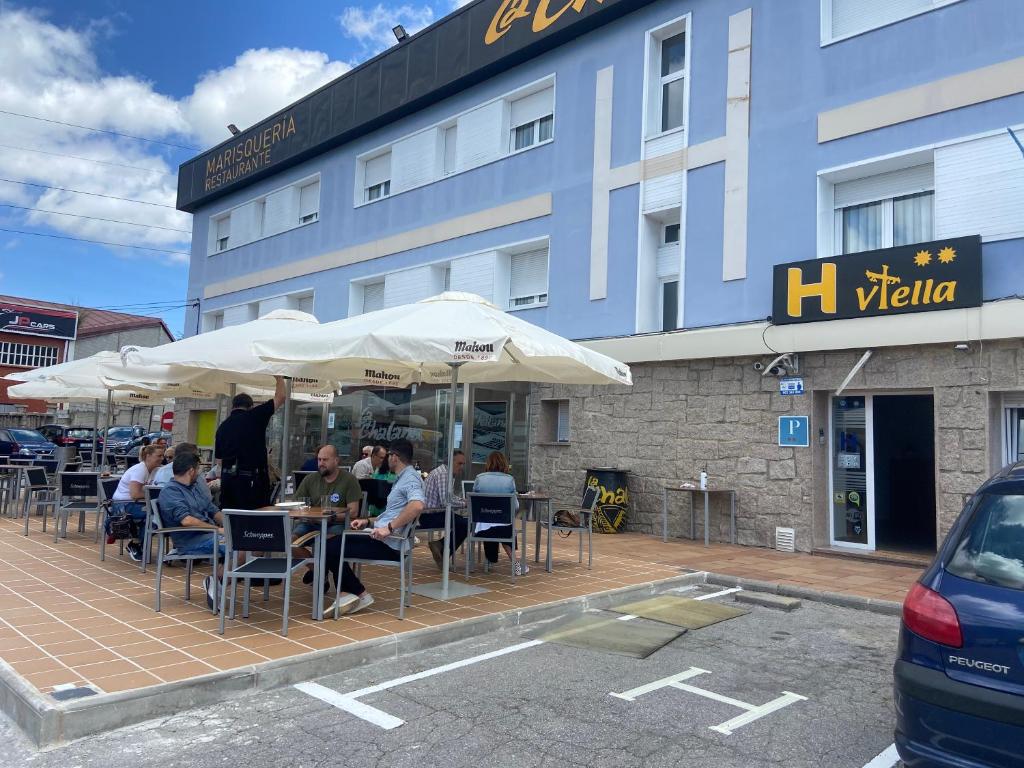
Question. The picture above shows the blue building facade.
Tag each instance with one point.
(634, 179)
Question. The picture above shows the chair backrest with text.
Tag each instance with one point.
(80, 485)
(251, 531)
(492, 508)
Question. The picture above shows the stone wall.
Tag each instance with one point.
(679, 416)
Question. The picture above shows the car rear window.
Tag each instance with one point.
(120, 432)
(79, 433)
(991, 548)
(27, 436)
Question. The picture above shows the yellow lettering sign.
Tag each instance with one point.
(798, 290)
(246, 156)
(511, 10)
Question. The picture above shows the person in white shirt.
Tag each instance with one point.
(366, 467)
(130, 498)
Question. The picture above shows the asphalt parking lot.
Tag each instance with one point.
(808, 688)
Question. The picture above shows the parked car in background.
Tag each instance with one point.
(137, 442)
(959, 674)
(120, 437)
(79, 437)
(15, 441)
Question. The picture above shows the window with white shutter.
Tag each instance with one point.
(309, 202)
(531, 119)
(451, 137)
(377, 177)
(373, 296)
(305, 304)
(528, 279)
(222, 227)
(843, 18)
(885, 210)
(562, 426)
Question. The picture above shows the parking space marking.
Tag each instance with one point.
(349, 703)
(719, 594)
(885, 759)
(753, 711)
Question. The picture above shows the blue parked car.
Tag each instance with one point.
(25, 443)
(959, 674)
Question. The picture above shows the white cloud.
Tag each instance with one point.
(371, 27)
(51, 71)
(260, 82)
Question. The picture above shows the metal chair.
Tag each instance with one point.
(377, 491)
(586, 512)
(79, 492)
(299, 475)
(258, 531)
(152, 493)
(403, 563)
(494, 508)
(165, 555)
(109, 486)
(10, 484)
(39, 487)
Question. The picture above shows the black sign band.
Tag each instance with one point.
(943, 274)
(38, 321)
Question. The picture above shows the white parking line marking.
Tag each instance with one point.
(753, 711)
(627, 617)
(348, 701)
(719, 594)
(350, 705)
(886, 759)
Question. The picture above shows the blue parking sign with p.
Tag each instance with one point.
(794, 431)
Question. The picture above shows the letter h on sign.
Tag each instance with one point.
(824, 289)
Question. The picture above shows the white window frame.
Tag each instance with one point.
(664, 232)
(652, 101)
(16, 354)
(826, 21)
(438, 128)
(382, 188)
(220, 244)
(887, 221)
(309, 218)
(261, 203)
(662, 282)
(540, 299)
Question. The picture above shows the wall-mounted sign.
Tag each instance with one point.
(490, 430)
(791, 385)
(475, 43)
(944, 274)
(794, 431)
(38, 321)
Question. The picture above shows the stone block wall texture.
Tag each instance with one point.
(679, 416)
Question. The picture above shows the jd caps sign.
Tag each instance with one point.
(37, 321)
(944, 274)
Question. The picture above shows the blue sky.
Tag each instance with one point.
(174, 72)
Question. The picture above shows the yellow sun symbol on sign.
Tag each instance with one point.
(923, 258)
(946, 255)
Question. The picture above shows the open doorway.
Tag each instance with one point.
(904, 472)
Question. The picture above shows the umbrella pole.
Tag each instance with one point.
(110, 399)
(95, 429)
(446, 564)
(325, 414)
(284, 434)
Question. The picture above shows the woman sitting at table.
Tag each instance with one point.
(130, 496)
(496, 479)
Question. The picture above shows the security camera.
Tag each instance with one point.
(776, 370)
(758, 366)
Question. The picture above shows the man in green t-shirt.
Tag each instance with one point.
(341, 488)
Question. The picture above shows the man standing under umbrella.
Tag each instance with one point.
(241, 449)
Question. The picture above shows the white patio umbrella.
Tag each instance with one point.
(223, 360)
(98, 377)
(443, 339)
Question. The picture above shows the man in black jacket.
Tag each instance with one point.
(241, 449)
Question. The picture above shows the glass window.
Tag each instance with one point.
(671, 233)
(673, 71)
(887, 223)
(991, 548)
(912, 218)
(451, 137)
(862, 227)
(669, 305)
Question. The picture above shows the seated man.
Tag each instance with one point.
(333, 484)
(405, 503)
(164, 474)
(183, 503)
(437, 492)
(371, 460)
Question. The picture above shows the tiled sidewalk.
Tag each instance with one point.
(66, 618)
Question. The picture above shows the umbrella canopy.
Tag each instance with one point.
(62, 391)
(215, 360)
(419, 343)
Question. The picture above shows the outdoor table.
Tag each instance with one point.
(531, 499)
(707, 493)
(324, 517)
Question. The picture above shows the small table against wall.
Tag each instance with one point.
(707, 495)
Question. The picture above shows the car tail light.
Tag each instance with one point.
(933, 617)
